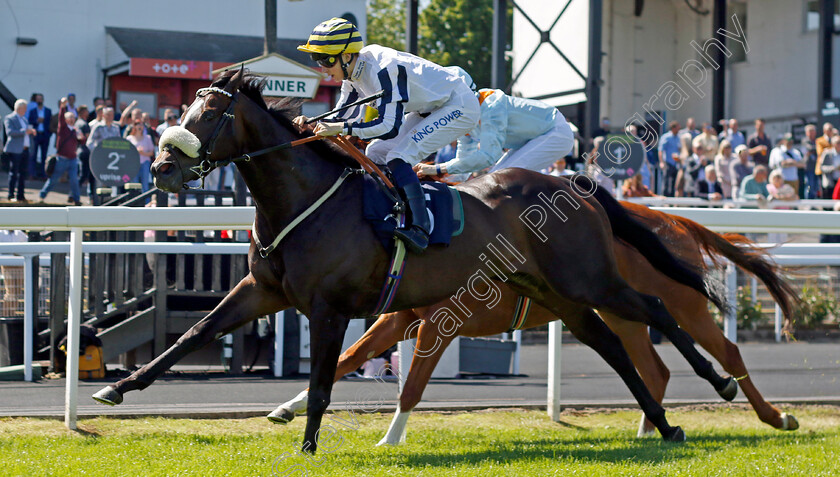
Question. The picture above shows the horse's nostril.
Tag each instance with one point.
(164, 168)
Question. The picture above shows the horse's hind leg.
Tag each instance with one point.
(636, 340)
(247, 301)
(630, 304)
(431, 343)
(587, 327)
(693, 315)
(384, 333)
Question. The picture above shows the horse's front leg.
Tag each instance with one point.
(389, 329)
(326, 331)
(247, 301)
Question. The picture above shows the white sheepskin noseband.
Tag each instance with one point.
(181, 138)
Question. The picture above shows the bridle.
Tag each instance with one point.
(206, 165)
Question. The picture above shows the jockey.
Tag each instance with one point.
(535, 134)
(425, 107)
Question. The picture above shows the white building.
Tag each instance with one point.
(771, 73)
(110, 48)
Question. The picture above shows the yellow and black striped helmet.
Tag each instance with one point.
(334, 37)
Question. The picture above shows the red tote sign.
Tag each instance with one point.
(173, 68)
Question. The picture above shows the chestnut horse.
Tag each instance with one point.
(685, 238)
(329, 264)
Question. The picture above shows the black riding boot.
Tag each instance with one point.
(416, 236)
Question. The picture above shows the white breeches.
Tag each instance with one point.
(419, 137)
(541, 152)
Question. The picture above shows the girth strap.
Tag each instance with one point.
(520, 313)
(392, 280)
(264, 251)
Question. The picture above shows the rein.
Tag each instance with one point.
(207, 165)
(367, 166)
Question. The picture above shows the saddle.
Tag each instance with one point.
(385, 212)
(443, 204)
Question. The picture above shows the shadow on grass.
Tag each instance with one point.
(90, 432)
(593, 449)
(569, 425)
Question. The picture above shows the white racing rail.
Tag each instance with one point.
(77, 220)
(803, 204)
(80, 219)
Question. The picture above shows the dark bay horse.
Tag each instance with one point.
(685, 238)
(331, 266)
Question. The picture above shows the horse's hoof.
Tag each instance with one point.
(676, 434)
(281, 415)
(644, 431)
(789, 423)
(109, 396)
(730, 390)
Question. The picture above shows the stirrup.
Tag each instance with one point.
(415, 238)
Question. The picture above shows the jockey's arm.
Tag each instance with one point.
(392, 80)
(476, 153)
(348, 95)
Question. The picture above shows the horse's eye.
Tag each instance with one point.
(208, 115)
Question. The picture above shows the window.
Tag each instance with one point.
(739, 11)
(812, 15)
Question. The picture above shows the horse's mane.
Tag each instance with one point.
(283, 110)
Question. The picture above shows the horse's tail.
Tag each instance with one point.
(754, 260)
(643, 239)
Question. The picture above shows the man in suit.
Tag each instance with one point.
(18, 138)
(39, 118)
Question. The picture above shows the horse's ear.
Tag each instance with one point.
(236, 80)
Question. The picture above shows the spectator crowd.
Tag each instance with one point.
(73, 131)
(687, 161)
(731, 164)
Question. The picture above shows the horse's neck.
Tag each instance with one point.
(285, 183)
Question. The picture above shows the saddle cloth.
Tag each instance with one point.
(443, 203)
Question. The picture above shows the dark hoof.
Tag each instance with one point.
(281, 416)
(109, 396)
(676, 434)
(730, 390)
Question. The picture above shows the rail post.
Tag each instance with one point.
(555, 343)
(73, 322)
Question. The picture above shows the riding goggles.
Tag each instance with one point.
(327, 61)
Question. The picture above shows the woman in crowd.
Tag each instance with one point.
(739, 169)
(683, 182)
(724, 159)
(777, 189)
(828, 167)
(146, 148)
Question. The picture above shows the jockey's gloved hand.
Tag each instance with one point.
(300, 122)
(426, 170)
(328, 129)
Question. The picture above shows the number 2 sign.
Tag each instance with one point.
(114, 162)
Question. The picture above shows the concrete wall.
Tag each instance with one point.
(777, 80)
(71, 49)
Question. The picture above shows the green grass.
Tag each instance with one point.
(726, 441)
